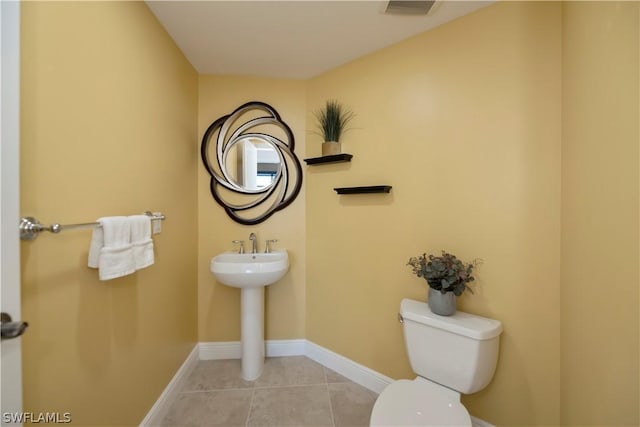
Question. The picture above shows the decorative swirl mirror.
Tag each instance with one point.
(256, 172)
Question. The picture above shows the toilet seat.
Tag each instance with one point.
(419, 402)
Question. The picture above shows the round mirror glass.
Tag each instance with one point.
(253, 164)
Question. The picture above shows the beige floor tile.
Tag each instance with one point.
(334, 377)
(293, 370)
(209, 408)
(292, 391)
(216, 375)
(351, 404)
(291, 406)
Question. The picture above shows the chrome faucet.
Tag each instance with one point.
(254, 243)
(241, 243)
(268, 249)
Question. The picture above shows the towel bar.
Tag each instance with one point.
(30, 227)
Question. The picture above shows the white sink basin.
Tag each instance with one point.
(250, 270)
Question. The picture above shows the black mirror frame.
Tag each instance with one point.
(283, 149)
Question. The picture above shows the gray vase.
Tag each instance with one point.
(442, 304)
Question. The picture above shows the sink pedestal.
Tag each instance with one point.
(252, 337)
(251, 273)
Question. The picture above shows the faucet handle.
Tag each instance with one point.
(241, 243)
(268, 249)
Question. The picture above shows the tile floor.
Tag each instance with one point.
(292, 391)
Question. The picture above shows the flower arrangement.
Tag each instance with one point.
(444, 273)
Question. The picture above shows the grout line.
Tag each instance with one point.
(215, 389)
(289, 385)
(254, 388)
(333, 419)
(326, 382)
(253, 393)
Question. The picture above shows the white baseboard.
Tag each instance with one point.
(232, 349)
(280, 348)
(157, 410)
(220, 350)
(477, 422)
(351, 370)
(356, 372)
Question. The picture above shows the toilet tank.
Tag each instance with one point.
(459, 352)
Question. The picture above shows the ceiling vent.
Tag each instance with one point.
(411, 7)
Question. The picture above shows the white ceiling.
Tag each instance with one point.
(292, 39)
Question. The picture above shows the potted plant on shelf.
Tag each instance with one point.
(447, 277)
(332, 123)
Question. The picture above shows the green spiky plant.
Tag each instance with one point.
(333, 120)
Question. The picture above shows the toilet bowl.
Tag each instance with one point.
(451, 355)
(419, 402)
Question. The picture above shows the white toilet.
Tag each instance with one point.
(451, 355)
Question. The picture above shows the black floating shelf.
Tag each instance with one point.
(335, 158)
(364, 190)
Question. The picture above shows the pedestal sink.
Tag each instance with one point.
(251, 273)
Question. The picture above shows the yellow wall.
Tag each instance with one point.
(464, 123)
(600, 275)
(108, 128)
(219, 305)
(498, 131)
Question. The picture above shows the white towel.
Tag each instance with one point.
(141, 241)
(97, 242)
(116, 254)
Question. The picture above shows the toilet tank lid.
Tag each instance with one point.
(469, 325)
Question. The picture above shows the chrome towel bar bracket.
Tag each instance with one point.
(30, 227)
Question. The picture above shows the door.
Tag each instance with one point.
(11, 367)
